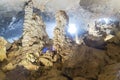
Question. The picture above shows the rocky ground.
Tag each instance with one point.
(84, 63)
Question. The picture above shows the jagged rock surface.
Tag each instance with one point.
(86, 62)
(113, 51)
(61, 41)
(53, 74)
(2, 75)
(48, 58)
(3, 43)
(79, 78)
(34, 31)
(110, 72)
(33, 40)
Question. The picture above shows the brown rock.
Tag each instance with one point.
(9, 67)
(2, 75)
(46, 62)
(113, 51)
(34, 34)
(53, 74)
(110, 72)
(85, 61)
(28, 65)
(3, 43)
(79, 78)
(60, 40)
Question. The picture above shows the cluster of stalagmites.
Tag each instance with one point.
(28, 51)
(87, 61)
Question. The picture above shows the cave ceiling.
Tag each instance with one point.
(80, 12)
(85, 8)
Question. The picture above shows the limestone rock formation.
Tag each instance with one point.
(86, 62)
(92, 30)
(61, 41)
(101, 28)
(115, 39)
(3, 43)
(110, 72)
(95, 42)
(79, 78)
(113, 51)
(34, 36)
(48, 58)
(2, 75)
(33, 40)
(53, 74)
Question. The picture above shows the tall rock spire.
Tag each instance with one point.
(60, 41)
(34, 34)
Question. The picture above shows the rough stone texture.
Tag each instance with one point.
(28, 65)
(92, 30)
(2, 75)
(113, 51)
(53, 74)
(19, 73)
(3, 43)
(60, 40)
(95, 42)
(110, 72)
(101, 28)
(86, 62)
(34, 36)
(48, 58)
(33, 40)
(115, 39)
(79, 78)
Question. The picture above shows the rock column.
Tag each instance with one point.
(61, 41)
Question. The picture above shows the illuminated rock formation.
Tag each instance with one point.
(104, 28)
(92, 30)
(3, 43)
(33, 40)
(60, 41)
(34, 34)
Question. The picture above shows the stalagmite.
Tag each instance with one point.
(33, 40)
(60, 41)
(34, 36)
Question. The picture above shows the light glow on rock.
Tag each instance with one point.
(72, 29)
